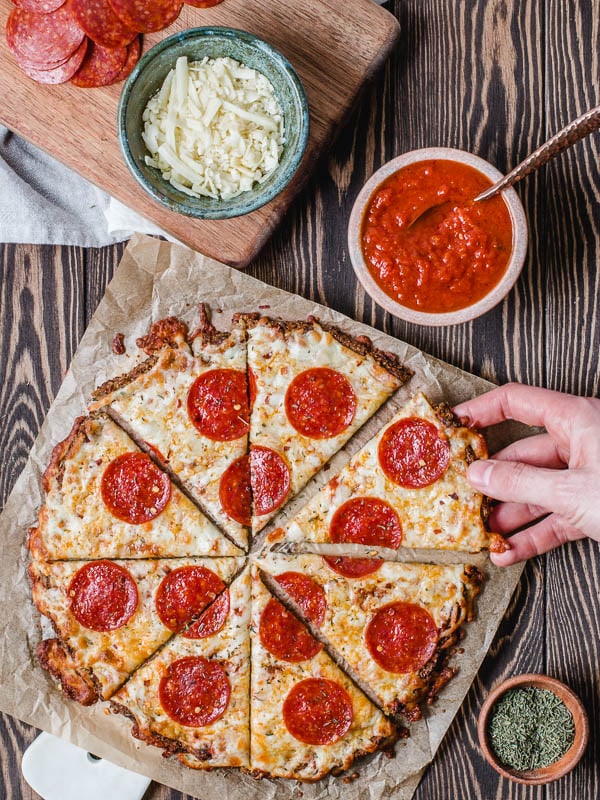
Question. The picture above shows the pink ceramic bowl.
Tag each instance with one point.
(494, 296)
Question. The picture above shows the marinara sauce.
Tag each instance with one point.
(454, 254)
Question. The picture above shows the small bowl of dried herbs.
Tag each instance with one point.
(533, 729)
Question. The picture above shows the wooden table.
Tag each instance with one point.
(496, 77)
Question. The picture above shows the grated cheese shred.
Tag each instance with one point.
(214, 128)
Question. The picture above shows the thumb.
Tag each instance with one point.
(512, 481)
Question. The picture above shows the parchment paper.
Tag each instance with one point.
(155, 279)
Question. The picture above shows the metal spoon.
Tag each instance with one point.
(573, 132)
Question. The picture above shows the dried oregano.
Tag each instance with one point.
(530, 728)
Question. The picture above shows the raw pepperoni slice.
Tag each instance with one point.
(401, 637)
(147, 17)
(270, 478)
(43, 41)
(318, 711)
(103, 596)
(100, 66)
(60, 74)
(234, 491)
(363, 520)
(212, 620)
(320, 403)
(184, 593)
(305, 591)
(284, 636)
(413, 454)
(134, 489)
(218, 404)
(194, 691)
(101, 24)
(133, 55)
(39, 6)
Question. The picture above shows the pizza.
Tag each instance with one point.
(311, 388)
(394, 626)
(407, 487)
(106, 498)
(307, 716)
(146, 563)
(111, 615)
(188, 403)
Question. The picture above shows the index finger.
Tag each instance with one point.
(552, 410)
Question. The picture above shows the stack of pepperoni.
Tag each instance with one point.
(146, 554)
(90, 43)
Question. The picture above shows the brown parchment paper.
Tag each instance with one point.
(155, 279)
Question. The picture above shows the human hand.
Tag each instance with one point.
(549, 482)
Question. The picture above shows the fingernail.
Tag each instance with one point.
(480, 473)
(463, 417)
(502, 559)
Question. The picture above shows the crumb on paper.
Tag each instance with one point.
(118, 344)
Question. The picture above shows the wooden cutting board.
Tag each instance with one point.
(335, 46)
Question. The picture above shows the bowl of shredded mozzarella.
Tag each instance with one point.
(213, 122)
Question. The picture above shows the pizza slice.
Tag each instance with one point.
(192, 697)
(395, 627)
(311, 387)
(105, 498)
(407, 487)
(188, 402)
(307, 717)
(110, 616)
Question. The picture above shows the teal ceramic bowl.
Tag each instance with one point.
(196, 43)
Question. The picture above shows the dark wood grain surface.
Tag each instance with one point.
(496, 77)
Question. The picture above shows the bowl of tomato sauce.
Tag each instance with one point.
(424, 250)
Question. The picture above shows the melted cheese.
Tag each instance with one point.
(351, 604)
(273, 748)
(275, 360)
(76, 524)
(227, 738)
(111, 656)
(444, 515)
(214, 129)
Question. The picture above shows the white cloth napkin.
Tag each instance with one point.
(44, 202)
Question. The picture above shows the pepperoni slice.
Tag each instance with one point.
(43, 41)
(305, 591)
(100, 66)
(103, 596)
(234, 491)
(101, 24)
(202, 3)
(184, 593)
(218, 404)
(212, 620)
(39, 6)
(318, 711)
(320, 403)
(194, 691)
(413, 454)
(401, 637)
(284, 636)
(134, 489)
(252, 387)
(60, 74)
(145, 17)
(363, 520)
(270, 479)
(133, 55)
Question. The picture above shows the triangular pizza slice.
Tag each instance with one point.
(189, 402)
(192, 697)
(395, 627)
(110, 616)
(307, 717)
(311, 388)
(406, 487)
(105, 498)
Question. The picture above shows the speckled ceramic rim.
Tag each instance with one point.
(247, 201)
(513, 269)
(570, 758)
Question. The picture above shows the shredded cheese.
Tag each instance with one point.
(214, 128)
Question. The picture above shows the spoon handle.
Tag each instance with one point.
(573, 132)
